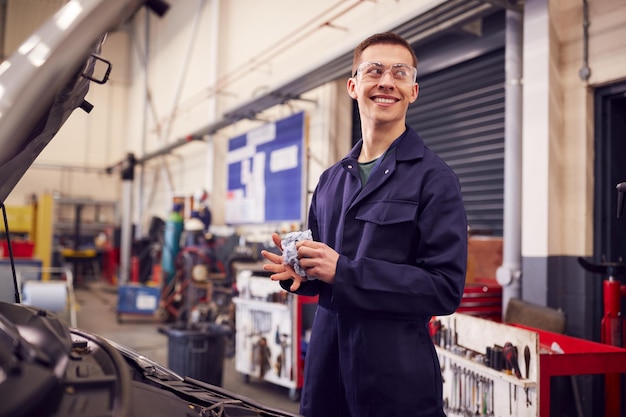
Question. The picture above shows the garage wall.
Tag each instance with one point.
(558, 141)
(258, 48)
(606, 62)
(203, 59)
(558, 118)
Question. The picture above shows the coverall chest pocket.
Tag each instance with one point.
(384, 230)
(388, 213)
(391, 223)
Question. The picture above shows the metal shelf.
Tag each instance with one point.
(83, 216)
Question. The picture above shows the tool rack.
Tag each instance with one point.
(471, 385)
(272, 328)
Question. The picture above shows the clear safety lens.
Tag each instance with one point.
(401, 74)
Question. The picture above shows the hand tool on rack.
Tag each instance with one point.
(510, 401)
(454, 335)
(455, 386)
(496, 360)
(492, 401)
(509, 353)
(527, 364)
(488, 400)
(461, 389)
(279, 364)
(284, 344)
(263, 356)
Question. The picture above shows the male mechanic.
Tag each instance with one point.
(388, 252)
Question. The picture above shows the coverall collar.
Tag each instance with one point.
(409, 146)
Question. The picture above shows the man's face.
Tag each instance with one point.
(386, 99)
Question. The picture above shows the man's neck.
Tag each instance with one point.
(376, 141)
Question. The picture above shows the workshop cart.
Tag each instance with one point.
(272, 331)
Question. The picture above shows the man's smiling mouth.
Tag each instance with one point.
(384, 100)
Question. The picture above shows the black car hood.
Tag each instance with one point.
(50, 370)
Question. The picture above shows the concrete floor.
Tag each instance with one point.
(97, 313)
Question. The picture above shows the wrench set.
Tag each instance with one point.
(472, 393)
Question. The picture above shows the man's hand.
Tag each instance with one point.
(318, 259)
(279, 271)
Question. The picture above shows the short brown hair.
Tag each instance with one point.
(388, 38)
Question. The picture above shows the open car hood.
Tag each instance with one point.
(46, 368)
(45, 80)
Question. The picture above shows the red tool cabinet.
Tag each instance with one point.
(482, 300)
(579, 357)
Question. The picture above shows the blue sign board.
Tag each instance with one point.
(265, 173)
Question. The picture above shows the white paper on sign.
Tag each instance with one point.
(283, 159)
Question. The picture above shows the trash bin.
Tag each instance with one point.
(197, 352)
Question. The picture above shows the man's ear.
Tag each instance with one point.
(351, 87)
(415, 93)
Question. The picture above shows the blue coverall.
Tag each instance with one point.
(402, 241)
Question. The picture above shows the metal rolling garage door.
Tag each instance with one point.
(460, 115)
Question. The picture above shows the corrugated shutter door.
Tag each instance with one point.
(460, 116)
